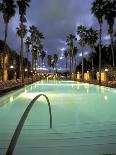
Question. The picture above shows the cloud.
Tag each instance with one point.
(56, 19)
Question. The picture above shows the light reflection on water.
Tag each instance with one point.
(11, 99)
(106, 98)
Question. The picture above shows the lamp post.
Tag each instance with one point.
(106, 71)
(13, 70)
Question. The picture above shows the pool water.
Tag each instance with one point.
(84, 119)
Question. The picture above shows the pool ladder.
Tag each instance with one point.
(22, 121)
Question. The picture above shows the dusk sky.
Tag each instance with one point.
(56, 19)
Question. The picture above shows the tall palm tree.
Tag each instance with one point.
(70, 59)
(34, 56)
(82, 32)
(98, 10)
(28, 43)
(110, 14)
(75, 50)
(42, 55)
(55, 60)
(7, 7)
(33, 37)
(49, 62)
(22, 5)
(1, 59)
(66, 57)
(21, 31)
(70, 42)
(36, 37)
(40, 49)
(40, 35)
(91, 39)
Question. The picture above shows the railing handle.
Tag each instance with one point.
(22, 121)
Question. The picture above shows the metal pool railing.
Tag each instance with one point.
(22, 121)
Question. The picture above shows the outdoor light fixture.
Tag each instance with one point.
(106, 70)
(25, 69)
(11, 66)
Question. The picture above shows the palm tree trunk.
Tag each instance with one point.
(5, 63)
(66, 64)
(70, 67)
(113, 62)
(75, 63)
(92, 63)
(5, 37)
(27, 67)
(21, 62)
(42, 63)
(92, 68)
(72, 61)
(38, 61)
(56, 69)
(35, 65)
(74, 67)
(1, 69)
(49, 69)
(32, 65)
(82, 65)
(100, 47)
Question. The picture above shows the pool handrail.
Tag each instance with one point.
(22, 121)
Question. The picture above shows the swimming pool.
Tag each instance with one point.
(84, 119)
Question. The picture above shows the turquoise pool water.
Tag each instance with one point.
(84, 119)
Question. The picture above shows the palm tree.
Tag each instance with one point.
(22, 5)
(55, 60)
(82, 32)
(21, 31)
(66, 56)
(36, 37)
(33, 38)
(98, 10)
(7, 7)
(110, 14)
(40, 49)
(70, 42)
(70, 58)
(35, 51)
(27, 43)
(75, 50)
(1, 59)
(49, 62)
(91, 39)
(40, 35)
(42, 55)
